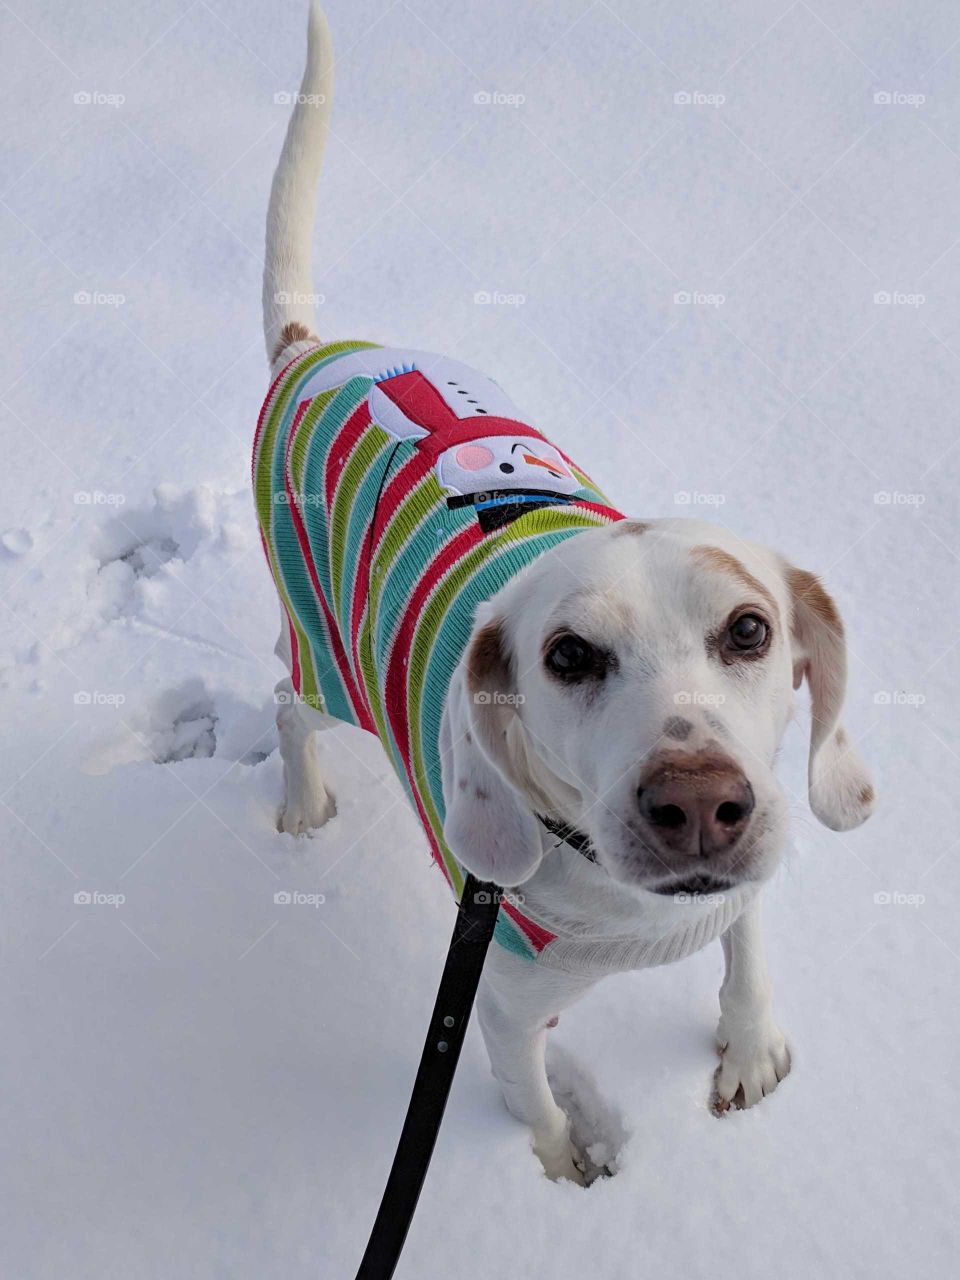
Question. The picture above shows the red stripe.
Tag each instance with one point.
(266, 404)
(360, 709)
(396, 674)
(344, 443)
(295, 676)
(536, 935)
(397, 489)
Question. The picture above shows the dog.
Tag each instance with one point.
(584, 708)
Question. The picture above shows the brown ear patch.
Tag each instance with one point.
(724, 562)
(487, 665)
(807, 591)
(625, 527)
(289, 334)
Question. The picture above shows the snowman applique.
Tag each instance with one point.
(486, 458)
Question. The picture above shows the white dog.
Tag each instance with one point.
(585, 706)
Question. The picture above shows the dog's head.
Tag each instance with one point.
(635, 683)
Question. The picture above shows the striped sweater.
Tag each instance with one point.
(395, 491)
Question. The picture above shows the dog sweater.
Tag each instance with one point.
(396, 491)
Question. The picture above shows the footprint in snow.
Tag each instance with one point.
(181, 725)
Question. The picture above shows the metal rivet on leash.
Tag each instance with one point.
(442, 1046)
(448, 1021)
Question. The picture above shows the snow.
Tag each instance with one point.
(198, 1080)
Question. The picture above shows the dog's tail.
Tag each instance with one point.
(287, 279)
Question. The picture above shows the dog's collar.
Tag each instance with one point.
(571, 836)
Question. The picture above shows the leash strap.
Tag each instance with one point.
(476, 918)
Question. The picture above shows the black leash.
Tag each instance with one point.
(476, 918)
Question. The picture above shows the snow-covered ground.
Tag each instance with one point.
(199, 1081)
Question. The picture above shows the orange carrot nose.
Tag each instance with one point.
(539, 462)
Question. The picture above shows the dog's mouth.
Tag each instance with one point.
(693, 886)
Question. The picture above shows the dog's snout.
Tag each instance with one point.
(697, 804)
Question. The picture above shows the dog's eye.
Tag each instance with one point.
(571, 658)
(748, 632)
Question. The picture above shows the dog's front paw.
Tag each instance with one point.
(560, 1159)
(752, 1064)
(301, 819)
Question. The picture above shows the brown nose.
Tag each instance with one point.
(697, 804)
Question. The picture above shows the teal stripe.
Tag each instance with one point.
(358, 526)
(322, 441)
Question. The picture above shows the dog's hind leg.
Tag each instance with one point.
(515, 1005)
(308, 804)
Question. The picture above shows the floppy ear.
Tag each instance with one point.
(841, 793)
(493, 782)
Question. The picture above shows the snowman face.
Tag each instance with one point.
(505, 462)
